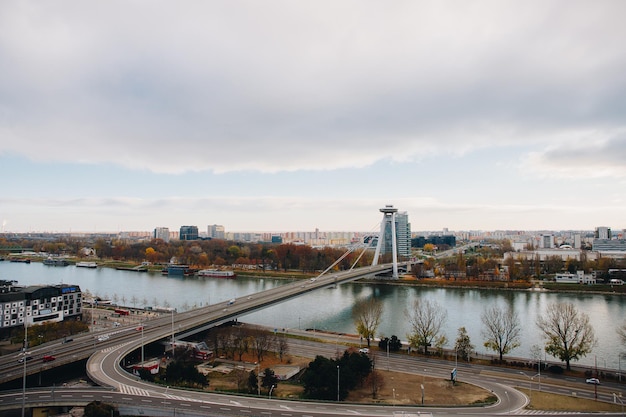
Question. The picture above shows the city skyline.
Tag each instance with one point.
(491, 115)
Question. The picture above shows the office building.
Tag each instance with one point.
(188, 233)
(162, 233)
(216, 231)
(38, 304)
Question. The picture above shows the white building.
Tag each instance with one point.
(162, 233)
(578, 278)
(216, 231)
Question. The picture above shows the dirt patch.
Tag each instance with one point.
(399, 388)
(406, 389)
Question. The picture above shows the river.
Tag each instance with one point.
(330, 309)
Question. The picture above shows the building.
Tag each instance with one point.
(547, 241)
(394, 237)
(216, 231)
(610, 246)
(37, 304)
(603, 232)
(578, 278)
(188, 233)
(162, 233)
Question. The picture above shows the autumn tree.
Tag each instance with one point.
(426, 320)
(568, 333)
(501, 329)
(463, 346)
(366, 315)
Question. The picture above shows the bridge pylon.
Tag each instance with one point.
(388, 236)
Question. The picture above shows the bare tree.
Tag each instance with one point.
(366, 315)
(426, 320)
(621, 331)
(568, 332)
(375, 382)
(282, 346)
(501, 329)
(262, 342)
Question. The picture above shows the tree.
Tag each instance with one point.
(100, 409)
(269, 379)
(253, 382)
(502, 329)
(375, 382)
(621, 331)
(463, 346)
(426, 320)
(366, 315)
(568, 333)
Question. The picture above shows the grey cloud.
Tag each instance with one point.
(279, 86)
(590, 155)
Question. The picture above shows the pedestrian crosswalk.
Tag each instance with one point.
(127, 389)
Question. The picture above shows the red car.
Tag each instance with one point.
(48, 358)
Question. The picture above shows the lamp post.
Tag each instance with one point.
(270, 394)
(24, 353)
(337, 383)
(173, 334)
(387, 354)
(258, 376)
(530, 383)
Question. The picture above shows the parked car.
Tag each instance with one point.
(594, 381)
(364, 350)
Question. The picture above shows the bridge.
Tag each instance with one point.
(178, 325)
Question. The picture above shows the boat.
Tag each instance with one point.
(178, 270)
(55, 262)
(86, 264)
(21, 260)
(217, 273)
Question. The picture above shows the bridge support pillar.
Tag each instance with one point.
(388, 237)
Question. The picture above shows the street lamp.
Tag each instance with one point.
(337, 383)
(24, 353)
(270, 394)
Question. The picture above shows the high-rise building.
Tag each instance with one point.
(188, 233)
(603, 232)
(547, 241)
(216, 231)
(162, 233)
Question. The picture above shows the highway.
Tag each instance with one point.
(137, 397)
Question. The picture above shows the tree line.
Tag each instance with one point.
(567, 332)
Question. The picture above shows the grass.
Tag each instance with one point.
(554, 402)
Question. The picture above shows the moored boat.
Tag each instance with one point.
(217, 273)
(86, 264)
(55, 262)
(178, 270)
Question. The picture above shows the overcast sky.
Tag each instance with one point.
(295, 115)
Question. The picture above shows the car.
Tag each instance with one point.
(48, 358)
(594, 381)
(68, 340)
(21, 360)
(364, 350)
(139, 328)
(103, 338)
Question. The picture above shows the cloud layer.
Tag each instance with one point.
(283, 86)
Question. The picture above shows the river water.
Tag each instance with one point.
(331, 309)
